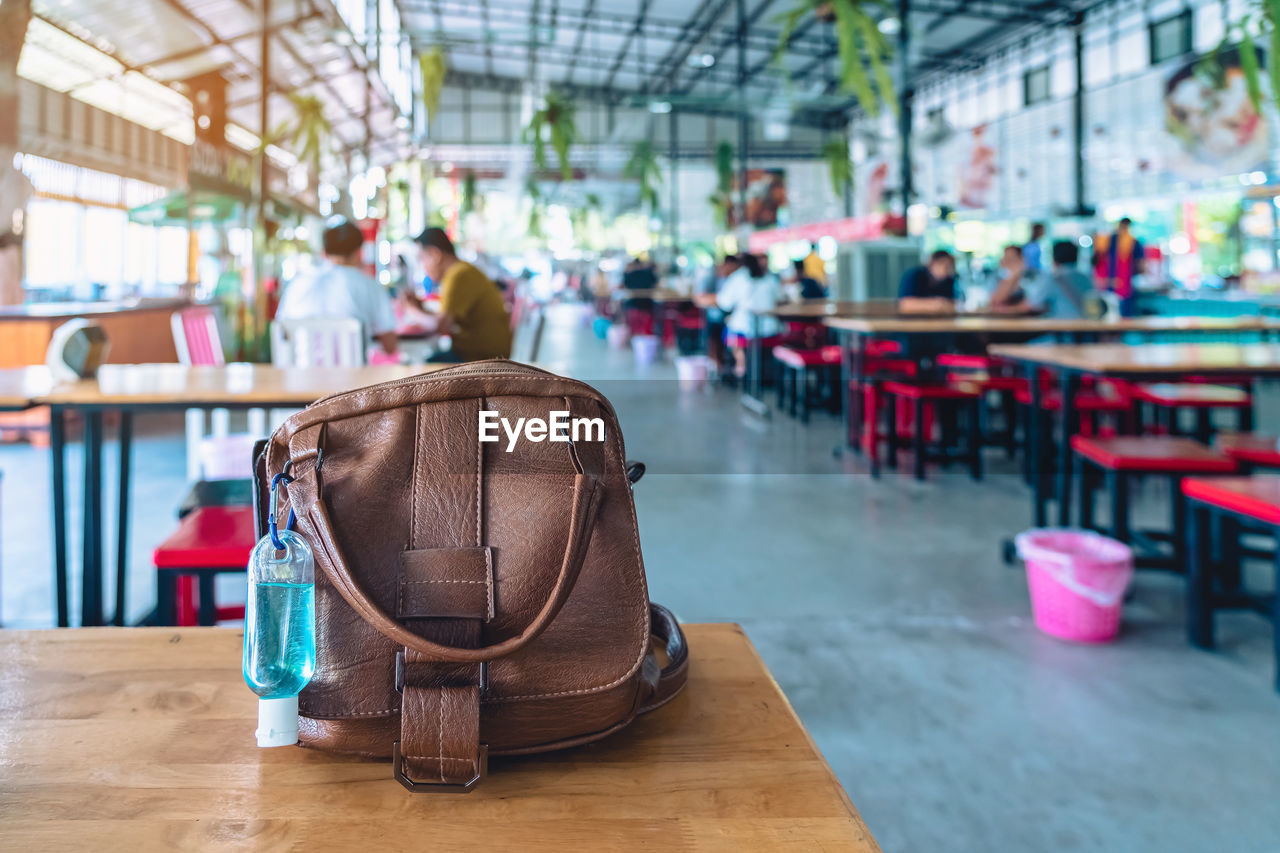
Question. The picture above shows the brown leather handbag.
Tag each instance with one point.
(473, 598)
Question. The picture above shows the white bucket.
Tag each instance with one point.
(645, 349)
(693, 371)
(618, 336)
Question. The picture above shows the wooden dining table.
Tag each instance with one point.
(142, 739)
(1137, 362)
(128, 389)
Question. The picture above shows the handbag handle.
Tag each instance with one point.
(587, 497)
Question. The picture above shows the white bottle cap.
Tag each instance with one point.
(278, 721)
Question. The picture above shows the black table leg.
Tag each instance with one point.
(1068, 383)
(1199, 580)
(58, 468)
(1041, 517)
(122, 516)
(91, 561)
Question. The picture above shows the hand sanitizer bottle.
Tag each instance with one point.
(280, 633)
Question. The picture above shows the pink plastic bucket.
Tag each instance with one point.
(1077, 580)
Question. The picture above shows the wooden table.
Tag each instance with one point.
(1144, 362)
(130, 388)
(142, 739)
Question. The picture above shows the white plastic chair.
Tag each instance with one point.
(318, 342)
(196, 339)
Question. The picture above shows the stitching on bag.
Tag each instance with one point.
(317, 715)
(488, 578)
(437, 758)
(411, 583)
(441, 747)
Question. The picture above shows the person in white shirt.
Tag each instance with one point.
(748, 292)
(337, 288)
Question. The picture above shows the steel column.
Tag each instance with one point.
(906, 102)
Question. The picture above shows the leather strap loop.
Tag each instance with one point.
(672, 677)
(587, 497)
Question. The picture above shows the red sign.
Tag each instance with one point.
(851, 230)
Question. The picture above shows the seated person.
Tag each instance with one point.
(471, 307)
(1010, 297)
(810, 288)
(1066, 293)
(338, 288)
(639, 275)
(745, 295)
(929, 289)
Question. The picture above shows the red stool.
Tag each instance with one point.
(1214, 581)
(796, 366)
(950, 400)
(209, 541)
(1250, 450)
(865, 431)
(1123, 457)
(1170, 398)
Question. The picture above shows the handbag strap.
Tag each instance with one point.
(306, 494)
(670, 679)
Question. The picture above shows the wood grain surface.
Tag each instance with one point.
(1149, 359)
(142, 739)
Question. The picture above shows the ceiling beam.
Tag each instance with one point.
(626, 45)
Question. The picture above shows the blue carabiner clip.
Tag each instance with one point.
(272, 508)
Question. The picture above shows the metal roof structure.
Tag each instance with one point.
(698, 54)
(130, 57)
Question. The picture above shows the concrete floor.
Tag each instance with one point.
(885, 614)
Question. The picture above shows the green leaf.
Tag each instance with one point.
(1249, 65)
(877, 52)
(724, 167)
(853, 75)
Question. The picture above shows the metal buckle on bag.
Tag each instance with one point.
(399, 684)
(397, 769)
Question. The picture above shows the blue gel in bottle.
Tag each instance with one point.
(280, 634)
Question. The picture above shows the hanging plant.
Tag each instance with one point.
(555, 122)
(467, 203)
(863, 50)
(836, 153)
(1261, 21)
(433, 68)
(721, 200)
(643, 167)
(306, 133)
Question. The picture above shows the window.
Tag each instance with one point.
(1171, 37)
(1035, 86)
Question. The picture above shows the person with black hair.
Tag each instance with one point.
(1066, 292)
(930, 288)
(471, 306)
(339, 288)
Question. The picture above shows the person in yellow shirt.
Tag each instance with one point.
(471, 306)
(814, 267)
